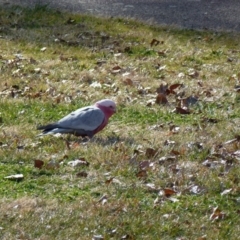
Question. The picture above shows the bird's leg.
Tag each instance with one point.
(67, 141)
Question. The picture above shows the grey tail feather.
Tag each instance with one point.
(48, 127)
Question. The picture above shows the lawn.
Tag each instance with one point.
(166, 166)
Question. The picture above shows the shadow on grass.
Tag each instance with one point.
(108, 141)
(112, 140)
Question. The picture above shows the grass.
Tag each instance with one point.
(153, 173)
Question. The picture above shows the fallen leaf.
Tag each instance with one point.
(128, 81)
(176, 153)
(78, 162)
(204, 237)
(172, 199)
(195, 189)
(82, 174)
(127, 236)
(225, 192)
(97, 237)
(108, 181)
(70, 21)
(210, 120)
(96, 85)
(38, 163)
(154, 42)
(152, 188)
(103, 199)
(193, 73)
(236, 139)
(150, 152)
(161, 99)
(167, 159)
(144, 165)
(142, 174)
(116, 69)
(182, 110)
(43, 49)
(162, 53)
(174, 129)
(16, 177)
(169, 142)
(173, 87)
(217, 214)
(167, 192)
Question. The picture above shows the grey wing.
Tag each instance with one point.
(87, 118)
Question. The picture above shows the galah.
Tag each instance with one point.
(86, 121)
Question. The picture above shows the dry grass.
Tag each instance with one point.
(153, 173)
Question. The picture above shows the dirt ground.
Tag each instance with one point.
(192, 14)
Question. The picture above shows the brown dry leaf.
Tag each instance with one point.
(82, 174)
(38, 163)
(35, 95)
(75, 145)
(174, 168)
(173, 87)
(175, 152)
(128, 81)
(161, 99)
(209, 120)
(150, 152)
(167, 192)
(162, 53)
(108, 181)
(182, 110)
(174, 129)
(145, 165)
(116, 69)
(142, 174)
(217, 214)
(154, 42)
(200, 83)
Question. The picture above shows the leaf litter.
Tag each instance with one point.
(180, 100)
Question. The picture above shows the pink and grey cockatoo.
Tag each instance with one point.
(86, 121)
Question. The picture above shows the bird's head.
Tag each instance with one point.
(108, 105)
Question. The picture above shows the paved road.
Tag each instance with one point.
(198, 14)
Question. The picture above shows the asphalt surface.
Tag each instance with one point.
(218, 15)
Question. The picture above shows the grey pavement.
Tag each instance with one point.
(218, 15)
